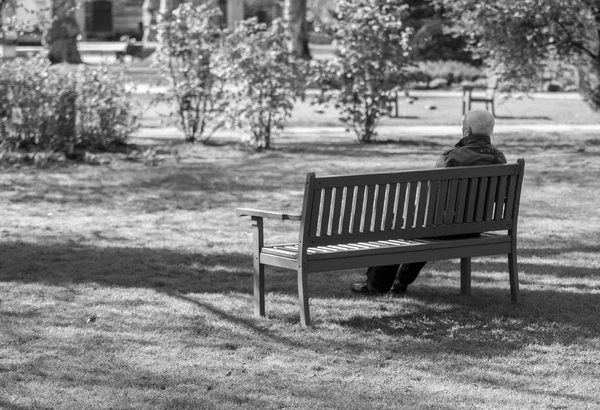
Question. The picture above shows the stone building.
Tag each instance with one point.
(108, 20)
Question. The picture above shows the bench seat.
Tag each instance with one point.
(340, 256)
(359, 221)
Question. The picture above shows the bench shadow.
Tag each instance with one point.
(432, 311)
(523, 117)
(385, 148)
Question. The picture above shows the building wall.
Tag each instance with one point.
(126, 15)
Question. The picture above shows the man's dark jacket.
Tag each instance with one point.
(471, 150)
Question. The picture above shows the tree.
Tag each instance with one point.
(295, 17)
(321, 13)
(152, 10)
(263, 77)
(149, 12)
(191, 58)
(61, 37)
(371, 57)
(516, 37)
(429, 42)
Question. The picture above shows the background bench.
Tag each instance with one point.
(487, 97)
(357, 221)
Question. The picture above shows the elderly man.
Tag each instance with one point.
(475, 148)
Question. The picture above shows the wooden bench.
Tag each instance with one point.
(135, 50)
(357, 221)
(486, 97)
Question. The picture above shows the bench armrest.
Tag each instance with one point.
(267, 214)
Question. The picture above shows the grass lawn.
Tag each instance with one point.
(428, 109)
(128, 285)
(447, 111)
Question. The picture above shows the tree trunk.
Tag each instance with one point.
(295, 16)
(61, 38)
(589, 82)
(149, 14)
(152, 10)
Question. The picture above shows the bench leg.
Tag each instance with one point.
(303, 297)
(259, 289)
(513, 274)
(465, 276)
(259, 268)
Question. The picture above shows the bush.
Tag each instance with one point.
(190, 57)
(371, 57)
(265, 78)
(452, 71)
(62, 108)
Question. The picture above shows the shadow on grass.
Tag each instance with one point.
(387, 148)
(11, 406)
(486, 321)
(523, 117)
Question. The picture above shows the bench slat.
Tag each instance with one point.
(410, 205)
(440, 205)
(280, 252)
(422, 205)
(400, 203)
(472, 190)
(346, 223)
(316, 205)
(337, 211)
(434, 188)
(510, 198)
(491, 198)
(461, 200)
(451, 202)
(380, 207)
(480, 204)
(358, 209)
(369, 208)
(325, 221)
(391, 206)
(500, 198)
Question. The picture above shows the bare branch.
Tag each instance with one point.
(571, 40)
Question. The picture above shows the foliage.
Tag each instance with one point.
(265, 79)
(57, 109)
(429, 42)
(190, 58)
(54, 20)
(450, 70)
(515, 37)
(371, 54)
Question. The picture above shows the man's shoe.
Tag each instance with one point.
(365, 288)
(397, 292)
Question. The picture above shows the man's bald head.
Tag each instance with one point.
(478, 122)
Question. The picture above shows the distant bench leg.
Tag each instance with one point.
(465, 276)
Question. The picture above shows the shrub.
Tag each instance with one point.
(62, 108)
(451, 71)
(371, 57)
(265, 79)
(190, 58)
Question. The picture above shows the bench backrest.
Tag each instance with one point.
(411, 204)
(492, 86)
